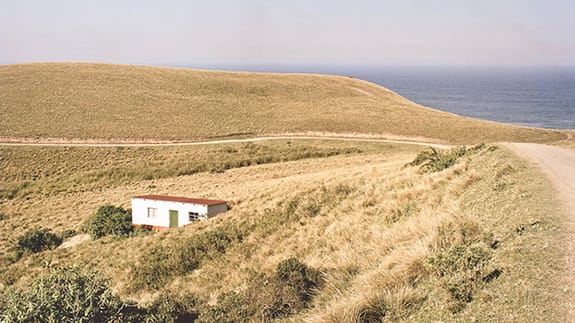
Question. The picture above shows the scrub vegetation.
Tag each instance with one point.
(109, 220)
(317, 231)
(28, 171)
(88, 101)
(362, 235)
(37, 240)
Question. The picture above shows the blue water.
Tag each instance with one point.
(535, 97)
(530, 96)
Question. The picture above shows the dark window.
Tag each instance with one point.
(152, 213)
(194, 216)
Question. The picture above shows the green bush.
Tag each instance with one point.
(288, 291)
(457, 259)
(162, 263)
(231, 307)
(433, 160)
(64, 295)
(37, 240)
(109, 220)
(171, 308)
(461, 270)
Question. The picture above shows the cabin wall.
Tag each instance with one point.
(215, 209)
(162, 219)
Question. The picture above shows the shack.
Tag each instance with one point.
(160, 212)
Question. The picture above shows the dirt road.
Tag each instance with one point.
(558, 164)
(213, 142)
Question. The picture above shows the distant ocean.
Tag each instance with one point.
(530, 96)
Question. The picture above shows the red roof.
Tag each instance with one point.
(180, 199)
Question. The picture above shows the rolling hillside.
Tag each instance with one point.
(319, 230)
(392, 243)
(87, 101)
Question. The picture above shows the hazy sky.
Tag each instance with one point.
(219, 32)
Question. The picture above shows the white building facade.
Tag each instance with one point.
(161, 212)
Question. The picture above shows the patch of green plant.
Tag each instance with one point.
(433, 160)
(406, 209)
(37, 240)
(231, 307)
(461, 270)
(109, 220)
(160, 264)
(141, 231)
(68, 234)
(64, 295)
(286, 292)
(168, 307)
(460, 259)
(373, 311)
(2, 216)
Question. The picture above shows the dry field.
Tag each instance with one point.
(87, 101)
(391, 242)
(48, 170)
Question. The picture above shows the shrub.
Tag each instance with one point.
(162, 263)
(433, 160)
(171, 308)
(290, 290)
(67, 234)
(37, 240)
(375, 310)
(63, 295)
(457, 259)
(231, 307)
(461, 270)
(109, 220)
(141, 231)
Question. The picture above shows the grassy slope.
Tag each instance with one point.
(78, 100)
(371, 244)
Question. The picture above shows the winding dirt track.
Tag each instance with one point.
(214, 142)
(558, 164)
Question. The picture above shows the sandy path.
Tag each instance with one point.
(213, 142)
(558, 164)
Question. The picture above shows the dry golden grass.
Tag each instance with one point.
(568, 142)
(79, 100)
(365, 220)
(47, 170)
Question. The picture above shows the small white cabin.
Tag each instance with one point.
(161, 212)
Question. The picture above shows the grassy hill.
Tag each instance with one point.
(318, 231)
(82, 101)
(387, 241)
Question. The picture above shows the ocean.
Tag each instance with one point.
(529, 96)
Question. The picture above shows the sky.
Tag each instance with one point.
(258, 32)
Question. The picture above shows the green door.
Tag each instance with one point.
(173, 218)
